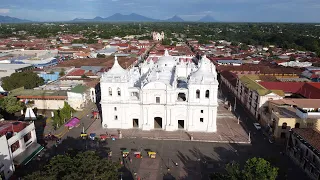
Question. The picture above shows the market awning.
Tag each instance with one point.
(26, 156)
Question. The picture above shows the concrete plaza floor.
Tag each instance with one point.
(228, 130)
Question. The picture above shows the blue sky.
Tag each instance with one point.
(222, 10)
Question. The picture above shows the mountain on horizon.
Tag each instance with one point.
(8, 19)
(207, 18)
(133, 17)
(175, 18)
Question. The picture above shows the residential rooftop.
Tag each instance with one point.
(250, 81)
(79, 89)
(309, 136)
(38, 94)
(14, 66)
(302, 103)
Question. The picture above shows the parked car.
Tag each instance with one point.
(257, 126)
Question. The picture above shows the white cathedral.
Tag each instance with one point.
(169, 94)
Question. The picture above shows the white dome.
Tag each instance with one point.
(166, 60)
(205, 73)
(116, 69)
(115, 74)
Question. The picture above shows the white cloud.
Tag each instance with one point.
(4, 11)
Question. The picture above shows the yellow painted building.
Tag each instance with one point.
(282, 115)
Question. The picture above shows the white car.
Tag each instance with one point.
(257, 126)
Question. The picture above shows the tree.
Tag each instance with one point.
(62, 115)
(166, 41)
(28, 80)
(62, 72)
(11, 104)
(84, 76)
(254, 169)
(51, 72)
(82, 166)
(259, 169)
(101, 55)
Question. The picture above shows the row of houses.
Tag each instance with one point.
(288, 111)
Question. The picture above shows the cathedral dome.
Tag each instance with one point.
(116, 69)
(205, 73)
(166, 60)
(115, 74)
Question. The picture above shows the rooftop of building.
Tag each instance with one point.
(287, 87)
(79, 89)
(231, 77)
(302, 103)
(262, 69)
(31, 93)
(309, 136)
(286, 112)
(12, 126)
(105, 62)
(250, 81)
(14, 66)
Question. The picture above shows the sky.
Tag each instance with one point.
(221, 10)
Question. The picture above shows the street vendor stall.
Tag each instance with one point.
(103, 137)
(137, 154)
(125, 153)
(152, 154)
(73, 122)
(92, 136)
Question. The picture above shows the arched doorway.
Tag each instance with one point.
(157, 122)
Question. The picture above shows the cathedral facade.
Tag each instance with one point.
(168, 94)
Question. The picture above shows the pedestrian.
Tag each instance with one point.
(176, 164)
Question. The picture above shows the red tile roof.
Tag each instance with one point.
(231, 77)
(311, 136)
(76, 72)
(287, 87)
(310, 90)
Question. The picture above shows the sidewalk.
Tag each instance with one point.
(62, 130)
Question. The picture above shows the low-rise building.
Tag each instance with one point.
(18, 145)
(79, 96)
(282, 115)
(253, 95)
(303, 147)
(41, 99)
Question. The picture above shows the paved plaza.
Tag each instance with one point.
(195, 159)
(229, 131)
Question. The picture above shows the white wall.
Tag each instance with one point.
(20, 137)
(48, 104)
(6, 161)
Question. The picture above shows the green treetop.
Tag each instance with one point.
(28, 80)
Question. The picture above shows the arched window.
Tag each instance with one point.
(110, 91)
(207, 93)
(297, 125)
(198, 94)
(119, 92)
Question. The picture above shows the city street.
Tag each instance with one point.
(275, 153)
